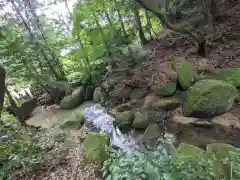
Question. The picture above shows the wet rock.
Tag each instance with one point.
(89, 92)
(167, 104)
(208, 98)
(75, 122)
(186, 73)
(73, 100)
(141, 120)
(166, 90)
(230, 75)
(95, 146)
(137, 93)
(97, 95)
(226, 120)
(124, 120)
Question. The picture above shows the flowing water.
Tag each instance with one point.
(97, 119)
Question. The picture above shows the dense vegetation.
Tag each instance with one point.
(70, 55)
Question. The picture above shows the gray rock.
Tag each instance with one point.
(141, 120)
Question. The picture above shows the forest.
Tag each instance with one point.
(120, 90)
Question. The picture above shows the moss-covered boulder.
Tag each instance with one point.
(221, 150)
(230, 75)
(186, 73)
(124, 120)
(89, 92)
(73, 100)
(97, 95)
(75, 121)
(166, 104)
(208, 98)
(137, 93)
(141, 120)
(166, 90)
(95, 146)
(189, 150)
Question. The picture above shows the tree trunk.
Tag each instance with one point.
(200, 40)
(149, 24)
(122, 24)
(2, 88)
(142, 37)
(53, 54)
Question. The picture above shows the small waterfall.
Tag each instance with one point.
(97, 119)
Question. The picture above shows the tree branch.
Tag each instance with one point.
(165, 21)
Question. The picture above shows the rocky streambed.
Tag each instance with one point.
(198, 108)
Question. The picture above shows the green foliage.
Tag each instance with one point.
(24, 148)
(189, 163)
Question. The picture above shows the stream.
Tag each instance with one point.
(97, 119)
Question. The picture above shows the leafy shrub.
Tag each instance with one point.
(144, 164)
(158, 164)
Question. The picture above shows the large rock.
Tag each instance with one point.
(208, 98)
(166, 89)
(89, 92)
(75, 121)
(95, 146)
(124, 120)
(179, 119)
(73, 100)
(151, 134)
(166, 104)
(186, 73)
(127, 106)
(137, 93)
(141, 120)
(221, 150)
(149, 100)
(25, 110)
(230, 75)
(226, 120)
(97, 95)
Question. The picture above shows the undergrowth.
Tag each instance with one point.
(162, 164)
(25, 148)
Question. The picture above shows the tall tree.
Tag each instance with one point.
(38, 46)
(32, 8)
(159, 8)
(2, 88)
(142, 37)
